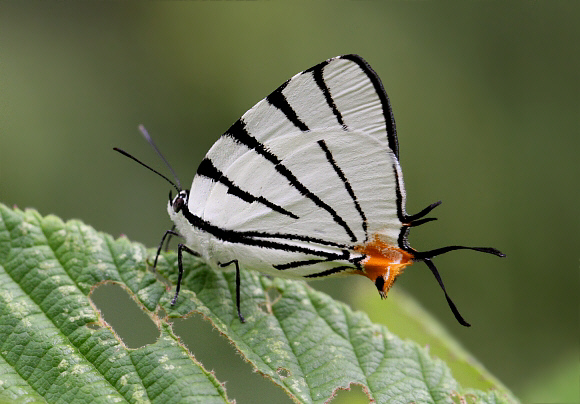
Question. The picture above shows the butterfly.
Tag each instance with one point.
(306, 184)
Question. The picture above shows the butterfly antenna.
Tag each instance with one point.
(152, 143)
(123, 152)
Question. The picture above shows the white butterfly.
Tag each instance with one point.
(306, 184)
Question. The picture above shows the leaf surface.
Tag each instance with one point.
(56, 347)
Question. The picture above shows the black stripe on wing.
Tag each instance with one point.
(303, 263)
(319, 80)
(347, 185)
(356, 260)
(239, 133)
(399, 194)
(278, 100)
(207, 169)
(382, 94)
(402, 215)
(289, 236)
(257, 239)
(330, 271)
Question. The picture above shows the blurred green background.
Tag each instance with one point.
(486, 96)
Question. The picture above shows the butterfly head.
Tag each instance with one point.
(176, 204)
(176, 208)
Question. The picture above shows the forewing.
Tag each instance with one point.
(317, 158)
(350, 179)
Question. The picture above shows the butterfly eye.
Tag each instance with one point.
(178, 203)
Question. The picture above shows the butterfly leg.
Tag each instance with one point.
(167, 233)
(168, 239)
(180, 249)
(238, 283)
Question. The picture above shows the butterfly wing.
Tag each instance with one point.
(306, 174)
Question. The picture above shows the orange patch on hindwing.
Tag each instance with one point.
(383, 260)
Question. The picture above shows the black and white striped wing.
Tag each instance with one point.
(314, 163)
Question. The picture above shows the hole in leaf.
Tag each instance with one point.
(355, 394)
(216, 352)
(283, 373)
(94, 326)
(124, 315)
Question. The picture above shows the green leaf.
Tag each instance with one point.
(406, 318)
(301, 339)
(311, 345)
(54, 346)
